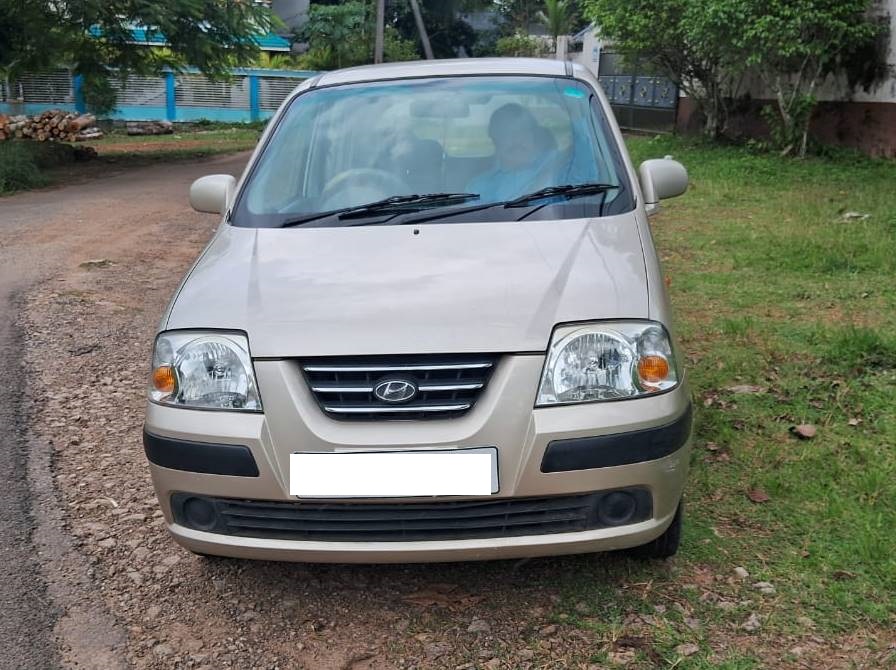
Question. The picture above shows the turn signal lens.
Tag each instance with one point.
(653, 368)
(164, 379)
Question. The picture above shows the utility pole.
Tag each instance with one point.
(380, 29)
(424, 38)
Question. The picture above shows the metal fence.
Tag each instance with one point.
(249, 95)
(641, 100)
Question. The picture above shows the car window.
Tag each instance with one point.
(498, 137)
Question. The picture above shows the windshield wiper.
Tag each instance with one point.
(567, 191)
(564, 191)
(396, 203)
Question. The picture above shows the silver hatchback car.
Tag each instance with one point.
(431, 326)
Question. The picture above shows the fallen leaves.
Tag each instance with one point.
(804, 431)
(758, 496)
(687, 649)
(746, 388)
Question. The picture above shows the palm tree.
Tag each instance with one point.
(556, 17)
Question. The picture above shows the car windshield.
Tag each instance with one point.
(494, 138)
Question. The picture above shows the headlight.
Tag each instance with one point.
(607, 361)
(203, 371)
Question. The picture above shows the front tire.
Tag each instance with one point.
(666, 545)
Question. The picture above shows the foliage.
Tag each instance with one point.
(520, 15)
(18, 167)
(519, 44)
(449, 36)
(794, 45)
(341, 35)
(96, 38)
(789, 46)
(277, 61)
(333, 32)
(690, 41)
(556, 18)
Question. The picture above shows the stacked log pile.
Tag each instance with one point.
(50, 126)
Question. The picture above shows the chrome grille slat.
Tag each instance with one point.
(447, 385)
(452, 387)
(394, 368)
(405, 409)
(342, 389)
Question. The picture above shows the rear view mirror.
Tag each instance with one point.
(440, 109)
(212, 193)
(662, 178)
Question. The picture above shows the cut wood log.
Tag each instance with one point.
(149, 127)
(82, 122)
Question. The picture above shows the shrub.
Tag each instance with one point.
(18, 167)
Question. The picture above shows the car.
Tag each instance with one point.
(431, 326)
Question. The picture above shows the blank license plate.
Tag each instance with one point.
(382, 474)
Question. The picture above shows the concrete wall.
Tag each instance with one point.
(590, 54)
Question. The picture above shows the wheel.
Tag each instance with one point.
(665, 545)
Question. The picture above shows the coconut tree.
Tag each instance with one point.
(557, 18)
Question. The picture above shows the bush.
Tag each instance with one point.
(520, 45)
(19, 167)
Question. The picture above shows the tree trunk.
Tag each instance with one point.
(421, 28)
(380, 30)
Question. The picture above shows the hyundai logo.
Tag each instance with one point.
(395, 390)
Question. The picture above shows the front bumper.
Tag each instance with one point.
(619, 436)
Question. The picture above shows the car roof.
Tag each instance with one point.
(444, 68)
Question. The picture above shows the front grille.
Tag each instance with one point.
(397, 522)
(446, 386)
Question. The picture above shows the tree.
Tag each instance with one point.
(343, 34)
(95, 37)
(690, 41)
(334, 33)
(790, 46)
(556, 18)
(794, 45)
(520, 45)
(518, 15)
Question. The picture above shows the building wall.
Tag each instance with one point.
(589, 56)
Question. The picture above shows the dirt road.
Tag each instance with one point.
(93, 267)
(51, 614)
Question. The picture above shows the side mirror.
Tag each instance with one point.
(213, 193)
(662, 178)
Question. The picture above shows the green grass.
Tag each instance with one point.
(194, 141)
(773, 286)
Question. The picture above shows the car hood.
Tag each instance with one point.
(446, 288)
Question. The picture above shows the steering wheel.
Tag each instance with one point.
(374, 183)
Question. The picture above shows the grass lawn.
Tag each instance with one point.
(780, 294)
(193, 142)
